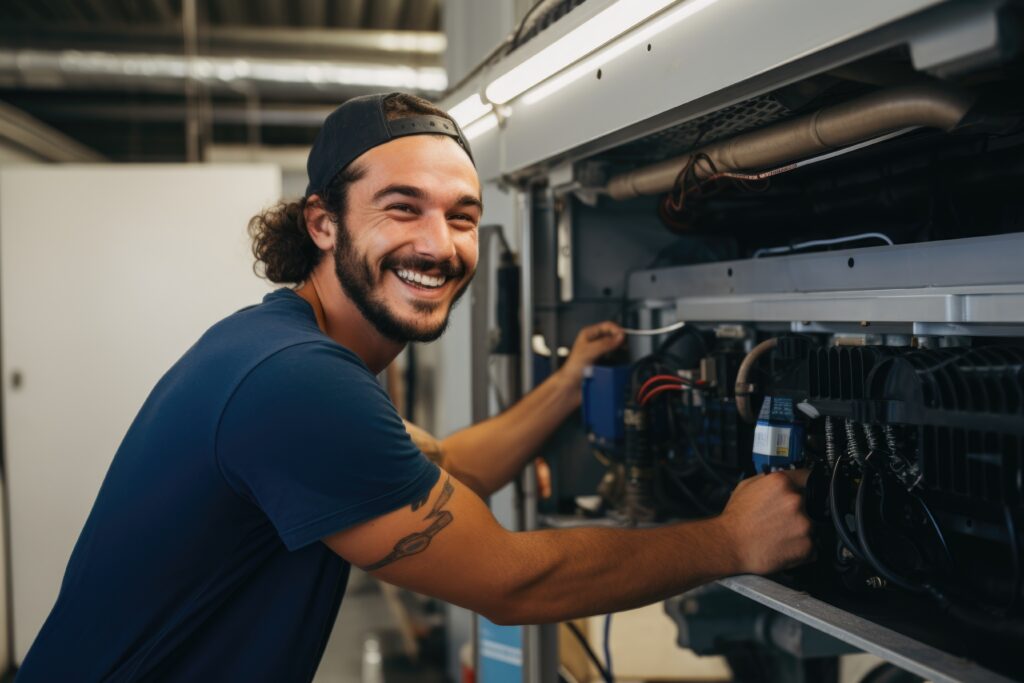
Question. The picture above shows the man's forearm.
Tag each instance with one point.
(581, 572)
(490, 454)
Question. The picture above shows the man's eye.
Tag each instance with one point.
(462, 217)
(406, 208)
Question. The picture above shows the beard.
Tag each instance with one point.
(360, 283)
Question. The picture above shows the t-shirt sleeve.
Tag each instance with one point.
(313, 440)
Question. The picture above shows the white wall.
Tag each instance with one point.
(9, 154)
(107, 275)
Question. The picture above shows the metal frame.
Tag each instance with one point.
(946, 287)
(906, 653)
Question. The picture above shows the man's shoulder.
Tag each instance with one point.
(247, 337)
(278, 336)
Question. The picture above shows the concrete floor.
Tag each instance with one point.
(364, 614)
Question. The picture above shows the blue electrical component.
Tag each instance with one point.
(604, 397)
(778, 437)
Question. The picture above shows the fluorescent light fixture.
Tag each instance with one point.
(481, 126)
(619, 47)
(581, 41)
(469, 110)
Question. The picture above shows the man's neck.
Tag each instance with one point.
(342, 321)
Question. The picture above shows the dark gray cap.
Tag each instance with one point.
(358, 126)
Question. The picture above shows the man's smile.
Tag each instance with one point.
(422, 280)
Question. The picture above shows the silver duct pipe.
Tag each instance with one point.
(68, 68)
(842, 125)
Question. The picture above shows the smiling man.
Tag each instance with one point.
(268, 459)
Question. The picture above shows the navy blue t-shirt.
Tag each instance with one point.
(200, 560)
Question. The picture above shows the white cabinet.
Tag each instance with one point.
(109, 273)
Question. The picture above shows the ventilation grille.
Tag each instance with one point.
(724, 123)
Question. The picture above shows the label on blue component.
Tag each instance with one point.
(772, 440)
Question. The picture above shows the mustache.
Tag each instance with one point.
(452, 268)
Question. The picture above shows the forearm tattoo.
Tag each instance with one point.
(417, 542)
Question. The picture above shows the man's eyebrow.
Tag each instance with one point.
(417, 193)
(470, 200)
(405, 190)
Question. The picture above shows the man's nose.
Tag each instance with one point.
(434, 237)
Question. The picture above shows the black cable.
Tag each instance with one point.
(938, 529)
(514, 43)
(699, 454)
(865, 545)
(608, 645)
(690, 495)
(673, 337)
(837, 521)
(605, 676)
(503, 48)
(498, 51)
(1011, 527)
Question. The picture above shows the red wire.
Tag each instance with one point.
(668, 380)
(656, 378)
(657, 390)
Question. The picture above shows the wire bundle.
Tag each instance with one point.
(661, 383)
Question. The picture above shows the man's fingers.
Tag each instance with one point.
(543, 471)
(601, 330)
(798, 477)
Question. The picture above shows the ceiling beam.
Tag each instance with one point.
(36, 137)
(162, 11)
(420, 15)
(350, 13)
(313, 13)
(231, 12)
(385, 13)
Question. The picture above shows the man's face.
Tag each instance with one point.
(406, 249)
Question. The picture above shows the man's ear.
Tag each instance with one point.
(321, 227)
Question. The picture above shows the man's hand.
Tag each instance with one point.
(591, 343)
(766, 521)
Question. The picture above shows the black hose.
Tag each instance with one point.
(605, 676)
(838, 521)
(979, 619)
(865, 546)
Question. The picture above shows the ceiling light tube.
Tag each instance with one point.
(581, 41)
(481, 126)
(469, 110)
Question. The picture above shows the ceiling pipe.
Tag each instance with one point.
(420, 47)
(828, 129)
(56, 69)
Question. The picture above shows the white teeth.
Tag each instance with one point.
(420, 278)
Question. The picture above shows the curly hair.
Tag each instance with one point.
(281, 245)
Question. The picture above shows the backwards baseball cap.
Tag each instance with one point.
(358, 126)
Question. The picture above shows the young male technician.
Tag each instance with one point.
(268, 458)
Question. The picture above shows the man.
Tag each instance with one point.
(268, 458)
